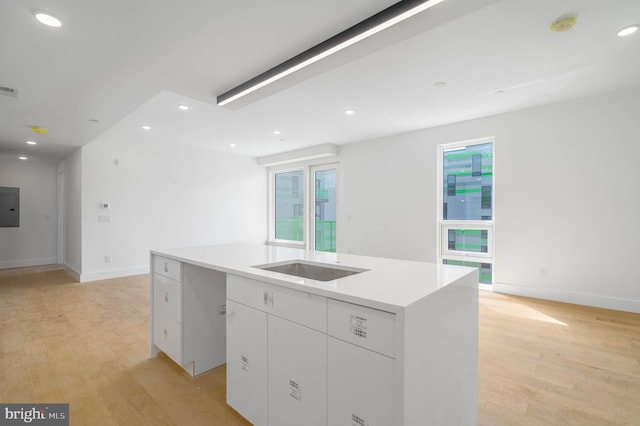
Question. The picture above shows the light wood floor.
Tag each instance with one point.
(541, 363)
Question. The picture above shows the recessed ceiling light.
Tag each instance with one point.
(22, 157)
(628, 30)
(349, 111)
(232, 145)
(146, 127)
(183, 107)
(32, 143)
(276, 132)
(48, 20)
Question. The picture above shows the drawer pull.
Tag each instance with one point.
(268, 298)
(166, 266)
(166, 296)
(166, 334)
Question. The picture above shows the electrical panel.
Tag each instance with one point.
(9, 207)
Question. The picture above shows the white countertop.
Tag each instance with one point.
(388, 284)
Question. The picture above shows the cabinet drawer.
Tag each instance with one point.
(362, 326)
(168, 267)
(167, 297)
(167, 335)
(300, 307)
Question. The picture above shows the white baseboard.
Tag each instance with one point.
(69, 270)
(598, 301)
(113, 273)
(23, 263)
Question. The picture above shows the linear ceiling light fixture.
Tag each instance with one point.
(380, 21)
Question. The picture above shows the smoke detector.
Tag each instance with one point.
(563, 23)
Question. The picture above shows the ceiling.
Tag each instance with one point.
(118, 65)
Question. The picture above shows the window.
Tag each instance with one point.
(466, 201)
(290, 204)
(324, 197)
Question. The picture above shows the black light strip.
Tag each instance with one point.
(381, 20)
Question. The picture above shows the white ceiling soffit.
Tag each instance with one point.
(125, 66)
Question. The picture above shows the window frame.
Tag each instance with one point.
(446, 226)
(312, 200)
(443, 226)
(308, 186)
(272, 207)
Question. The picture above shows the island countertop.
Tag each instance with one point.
(387, 284)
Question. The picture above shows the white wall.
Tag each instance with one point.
(164, 196)
(70, 171)
(35, 241)
(566, 188)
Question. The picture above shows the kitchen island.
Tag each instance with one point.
(322, 338)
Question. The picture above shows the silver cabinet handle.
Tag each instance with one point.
(268, 298)
(166, 266)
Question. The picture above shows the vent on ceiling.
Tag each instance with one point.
(8, 91)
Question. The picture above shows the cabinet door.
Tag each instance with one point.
(247, 362)
(297, 374)
(360, 386)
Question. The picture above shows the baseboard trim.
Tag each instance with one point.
(71, 271)
(23, 263)
(598, 301)
(113, 273)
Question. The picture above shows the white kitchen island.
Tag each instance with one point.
(393, 343)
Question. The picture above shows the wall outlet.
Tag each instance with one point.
(543, 272)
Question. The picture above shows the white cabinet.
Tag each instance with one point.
(361, 365)
(247, 362)
(394, 346)
(360, 386)
(187, 314)
(293, 342)
(166, 312)
(297, 379)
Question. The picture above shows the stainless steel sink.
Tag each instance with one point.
(312, 271)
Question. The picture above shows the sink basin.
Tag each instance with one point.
(312, 271)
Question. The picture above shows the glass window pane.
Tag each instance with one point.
(289, 206)
(486, 269)
(468, 183)
(469, 240)
(325, 209)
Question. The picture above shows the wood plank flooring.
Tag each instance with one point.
(541, 363)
